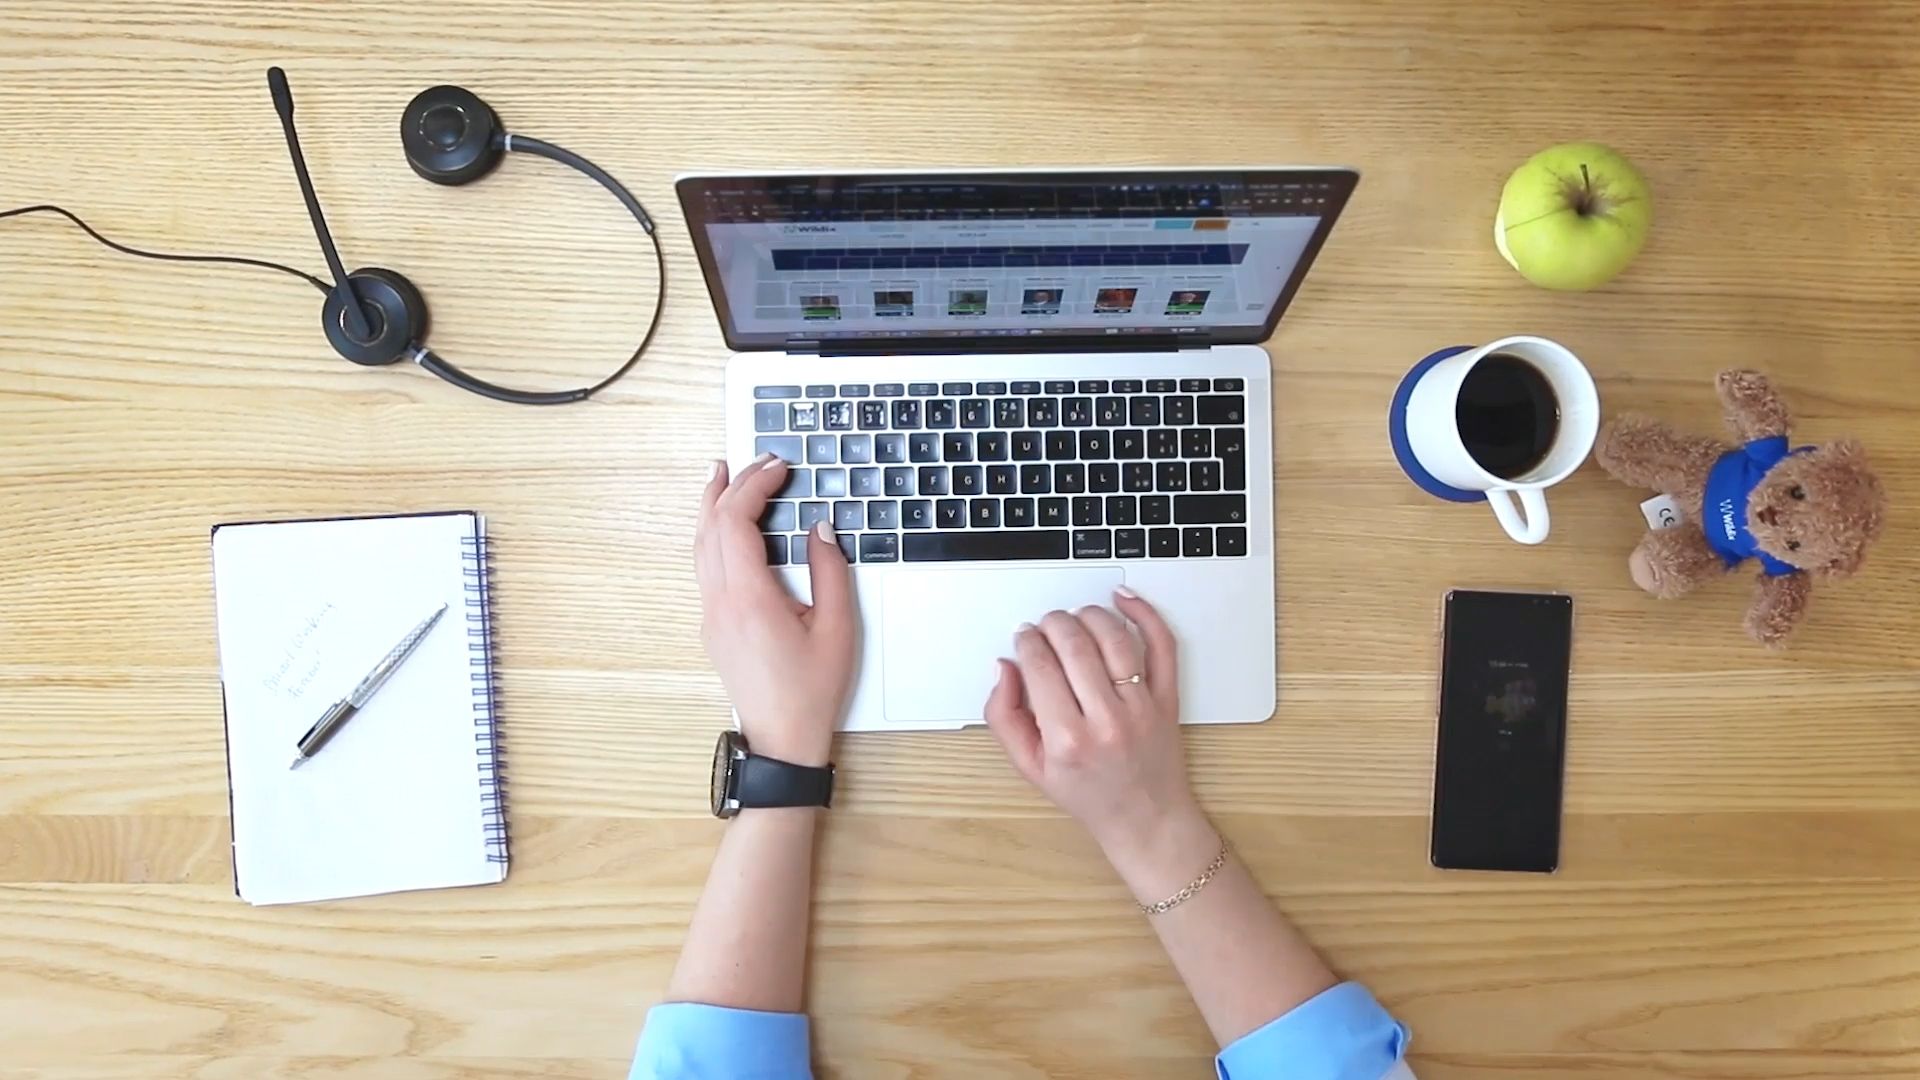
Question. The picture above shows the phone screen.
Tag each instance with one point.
(1501, 751)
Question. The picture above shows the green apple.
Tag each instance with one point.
(1573, 216)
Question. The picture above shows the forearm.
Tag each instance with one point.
(1242, 961)
(747, 945)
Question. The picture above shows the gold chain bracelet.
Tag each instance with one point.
(1191, 888)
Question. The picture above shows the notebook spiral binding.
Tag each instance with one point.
(486, 693)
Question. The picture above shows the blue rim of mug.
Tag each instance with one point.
(1403, 450)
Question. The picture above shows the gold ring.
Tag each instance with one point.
(1131, 680)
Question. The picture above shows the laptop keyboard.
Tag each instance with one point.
(1020, 470)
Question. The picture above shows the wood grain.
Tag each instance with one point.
(1741, 892)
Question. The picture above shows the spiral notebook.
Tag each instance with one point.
(408, 794)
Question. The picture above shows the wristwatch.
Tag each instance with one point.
(743, 780)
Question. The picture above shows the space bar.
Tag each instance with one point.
(971, 546)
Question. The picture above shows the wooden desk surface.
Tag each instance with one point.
(1741, 886)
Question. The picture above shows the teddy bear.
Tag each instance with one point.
(1802, 513)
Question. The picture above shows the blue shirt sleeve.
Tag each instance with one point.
(685, 1041)
(1339, 1034)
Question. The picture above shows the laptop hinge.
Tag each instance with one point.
(1128, 343)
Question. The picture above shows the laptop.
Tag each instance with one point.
(1012, 392)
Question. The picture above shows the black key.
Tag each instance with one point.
(1043, 412)
(889, 389)
(1170, 476)
(776, 550)
(848, 544)
(1137, 476)
(838, 415)
(855, 389)
(1122, 510)
(1196, 543)
(849, 516)
(1070, 478)
(1156, 509)
(923, 389)
(956, 389)
(1026, 387)
(1231, 445)
(991, 446)
(1103, 476)
(1086, 510)
(1019, 513)
(1163, 543)
(799, 485)
(1053, 512)
(1002, 479)
(1110, 411)
(968, 480)
(889, 448)
(1163, 443)
(1229, 540)
(820, 389)
(883, 514)
(950, 513)
(976, 546)
(1127, 386)
(1204, 476)
(1129, 444)
(1076, 411)
(1027, 446)
(1222, 409)
(899, 481)
(830, 483)
(1130, 543)
(803, 416)
(1061, 446)
(1095, 445)
(1144, 412)
(985, 513)
(776, 391)
(1009, 412)
(933, 479)
(822, 449)
(1059, 386)
(940, 413)
(879, 547)
(990, 388)
(863, 483)
(1093, 543)
(1210, 510)
(769, 416)
(1093, 386)
(916, 514)
(1196, 443)
(873, 415)
(958, 446)
(1194, 386)
(906, 414)
(798, 546)
(1161, 386)
(1224, 385)
(1035, 479)
(923, 447)
(856, 449)
(973, 413)
(1178, 410)
(778, 517)
(785, 446)
(813, 513)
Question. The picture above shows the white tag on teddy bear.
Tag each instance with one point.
(1662, 512)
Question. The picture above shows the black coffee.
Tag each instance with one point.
(1508, 415)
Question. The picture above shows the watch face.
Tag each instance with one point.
(722, 771)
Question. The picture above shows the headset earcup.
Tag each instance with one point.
(395, 309)
(450, 135)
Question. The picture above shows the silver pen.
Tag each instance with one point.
(341, 711)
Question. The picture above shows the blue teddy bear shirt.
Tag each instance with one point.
(1730, 486)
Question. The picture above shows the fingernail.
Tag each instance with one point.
(772, 460)
(825, 529)
(1122, 590)
(719, 469)
(1023, 628)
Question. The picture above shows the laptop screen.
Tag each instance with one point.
(1056, 260)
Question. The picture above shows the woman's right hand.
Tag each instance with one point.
(1102, 747)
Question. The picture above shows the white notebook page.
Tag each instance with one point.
(395, 800)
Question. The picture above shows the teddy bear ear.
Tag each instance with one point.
(1845, 565)
(1849, 450)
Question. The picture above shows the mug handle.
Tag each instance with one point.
(1528, 529)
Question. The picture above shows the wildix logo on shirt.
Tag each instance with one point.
(1727, 525)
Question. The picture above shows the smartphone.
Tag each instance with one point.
(1500, 758)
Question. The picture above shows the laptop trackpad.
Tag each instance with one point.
(944, 628)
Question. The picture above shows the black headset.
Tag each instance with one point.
(375, 316)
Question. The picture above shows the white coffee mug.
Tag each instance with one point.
(1433, 431)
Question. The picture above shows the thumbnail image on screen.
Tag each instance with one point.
(819, 307)
(967, 302)
(1040, 302)
(1188, 301)
(893, 302)
(1114, 301)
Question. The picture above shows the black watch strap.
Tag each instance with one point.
(765, 782)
